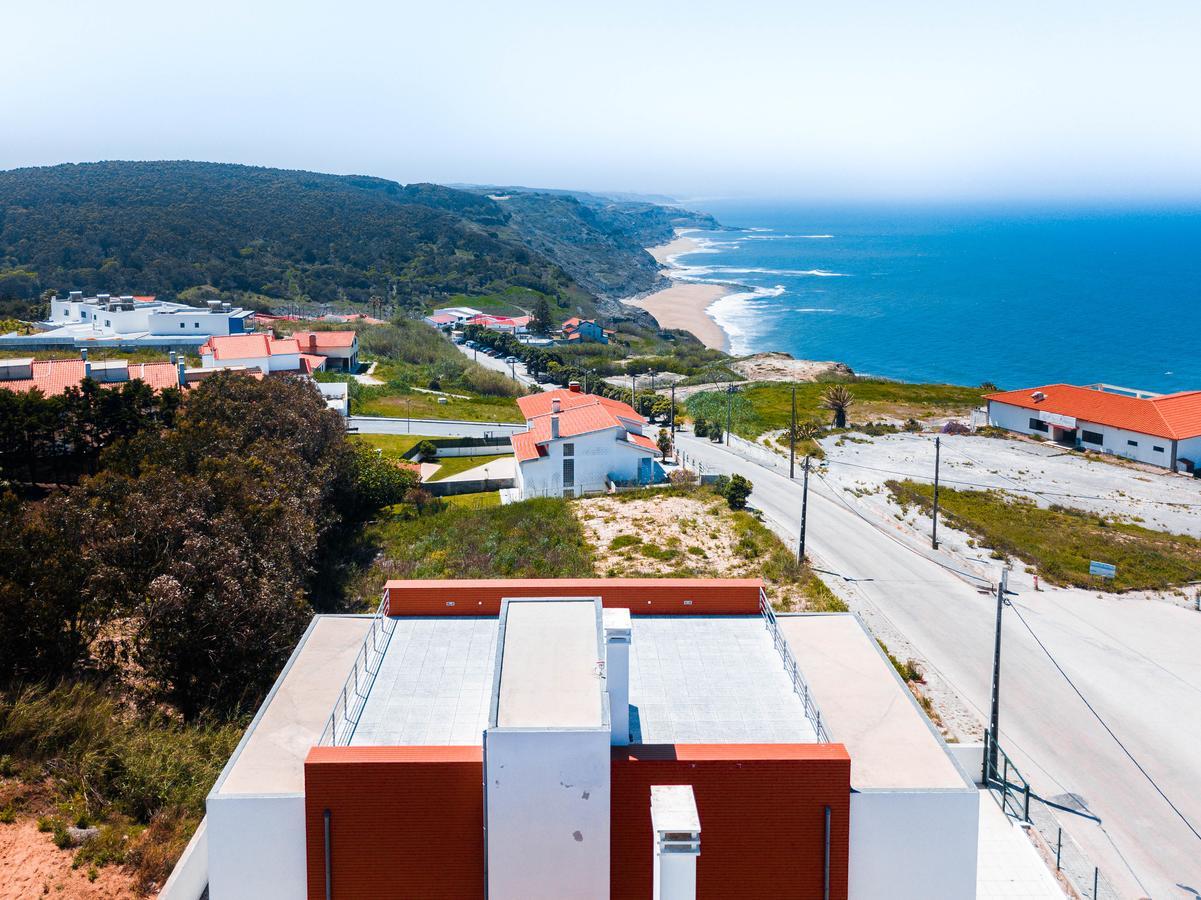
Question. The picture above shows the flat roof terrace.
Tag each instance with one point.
(867, 707)
(693, 679)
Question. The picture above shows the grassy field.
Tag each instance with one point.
(453, 465)
(767, 406)
(72, 755)
(475, 501)
(534, 539)
(1058, 542)
(425, 406)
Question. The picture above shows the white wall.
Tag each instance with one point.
(913, 845)
(199, 322)
(1190, 448)
(1014, 418)
(548, 814)
(256, 847)
(597, 455)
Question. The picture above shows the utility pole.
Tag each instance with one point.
(634, 391)
(934, 534)
(673, 411)
(792, 439)
(990, 762)
(800, 550)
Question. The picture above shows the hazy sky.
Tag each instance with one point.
(838, 99)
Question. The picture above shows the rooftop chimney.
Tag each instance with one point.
(172, 357)
(676, 831)
(556, 406)
(554, 424)
(574, 387)
(183, 378)
(617, 672)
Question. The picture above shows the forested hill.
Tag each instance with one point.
(267, 237)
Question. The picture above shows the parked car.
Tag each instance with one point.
(511, 359)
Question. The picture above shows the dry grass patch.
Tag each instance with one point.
(691, 533)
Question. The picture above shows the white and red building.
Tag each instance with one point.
(590, 739)
(503, 324)
(579, 443)
(1160, 429)
(577, 330)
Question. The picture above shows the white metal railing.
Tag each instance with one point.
(350, 702)
(794, 671)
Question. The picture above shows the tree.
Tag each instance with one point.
(838, 399)
(700, 427)
(426, 450)
(715, 432)
(664, 442)
(737, 492)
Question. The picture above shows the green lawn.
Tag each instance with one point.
(453, 465)
(475, 501)
(1059, 542)
(767, 406)
(426, 406)
(395, 446)
(533, 539)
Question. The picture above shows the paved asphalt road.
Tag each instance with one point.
(1137, 661)
(499, 365)
(433, 427)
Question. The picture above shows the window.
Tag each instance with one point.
(568, 473)
(195, 324)
(1132, 443)
(1157, 449)
(107, 323)
(182, 324)
(1039, 425)
(569, 449)
(1092, 437)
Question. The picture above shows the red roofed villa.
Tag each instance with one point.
(1160, 429)
(580, 443)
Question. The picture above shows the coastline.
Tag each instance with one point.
(684, 305)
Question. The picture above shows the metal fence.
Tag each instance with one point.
(1017, 799)
(349, 705)
(794, 672)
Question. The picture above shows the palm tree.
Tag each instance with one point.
(838, 399)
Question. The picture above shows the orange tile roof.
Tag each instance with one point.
(326, 340)
(311, 363)
(525, 446)
(1172, 416)
(643, 441)
(540, 404)
(247, 346)
(54, 376)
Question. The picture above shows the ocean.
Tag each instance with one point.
(1017, 297)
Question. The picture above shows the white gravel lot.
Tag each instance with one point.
(1046, 473)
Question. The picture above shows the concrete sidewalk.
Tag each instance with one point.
(1009, 866)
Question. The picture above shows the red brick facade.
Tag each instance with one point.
(408, 822)
(762, 811)
(405, 822)
(642, 596)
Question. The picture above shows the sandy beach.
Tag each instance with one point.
(683, 304)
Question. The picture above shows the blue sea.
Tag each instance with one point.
(1017, 297)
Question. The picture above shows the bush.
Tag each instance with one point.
(715, 433)
(426, 450)
(683, 478)
(737, 492)
(700, 427)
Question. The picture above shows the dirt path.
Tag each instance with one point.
(31, 866)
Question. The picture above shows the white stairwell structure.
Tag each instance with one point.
(676, 827)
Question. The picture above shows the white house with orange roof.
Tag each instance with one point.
(258, 351)
(1160, 429)
(579, 443)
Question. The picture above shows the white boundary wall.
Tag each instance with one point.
(913, 845)
(256, 847)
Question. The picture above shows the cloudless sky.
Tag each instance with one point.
(1028, 99)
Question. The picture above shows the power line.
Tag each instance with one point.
(1104, 724)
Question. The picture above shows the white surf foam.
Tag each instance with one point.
(736, 315)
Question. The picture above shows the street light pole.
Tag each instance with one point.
(994, 719)
(934, 533)
(634, 391)
(800, 550)
(673, 412)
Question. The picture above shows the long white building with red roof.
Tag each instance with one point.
(1160, 429)
(579, 443)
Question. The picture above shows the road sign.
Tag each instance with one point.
(1104, 570)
